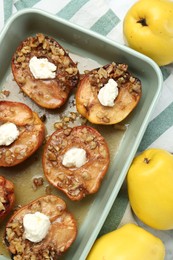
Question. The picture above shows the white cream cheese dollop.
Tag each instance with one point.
(108, 93)
(41, 68)
(74, 157)
(8, 133)
(36, 226)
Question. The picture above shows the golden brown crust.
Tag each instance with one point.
(47, 93)
(88, 104)
(7, 197)
(31, 132)
(61, 235)
(75, 182)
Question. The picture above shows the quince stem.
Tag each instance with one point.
(142, 21)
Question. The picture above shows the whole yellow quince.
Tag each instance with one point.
(150, 188)
(148, 28)
(129, 242)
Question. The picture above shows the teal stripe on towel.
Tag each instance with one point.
(25, 4)
(106, 23)
(157, 127)
(117, 212)
(165, 72)
(71, 8)
(7, 9)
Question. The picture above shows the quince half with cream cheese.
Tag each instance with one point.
(70, 161)
(44, 71)
(108, 94)
(21, 133)
(41, 229)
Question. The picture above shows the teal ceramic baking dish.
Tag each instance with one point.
(91, 212)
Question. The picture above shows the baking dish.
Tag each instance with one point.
(89, 49)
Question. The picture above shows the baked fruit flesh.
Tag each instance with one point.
(31, 132)
(61, 233)
(48, 92)
(7, 197)
(129, 94)
(76, 182)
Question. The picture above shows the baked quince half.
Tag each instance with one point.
(108, 94)
(7, 197)
(75, 160)
(44, 71)
(42, 229)
(21, 133)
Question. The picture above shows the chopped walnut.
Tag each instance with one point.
(37, 182)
